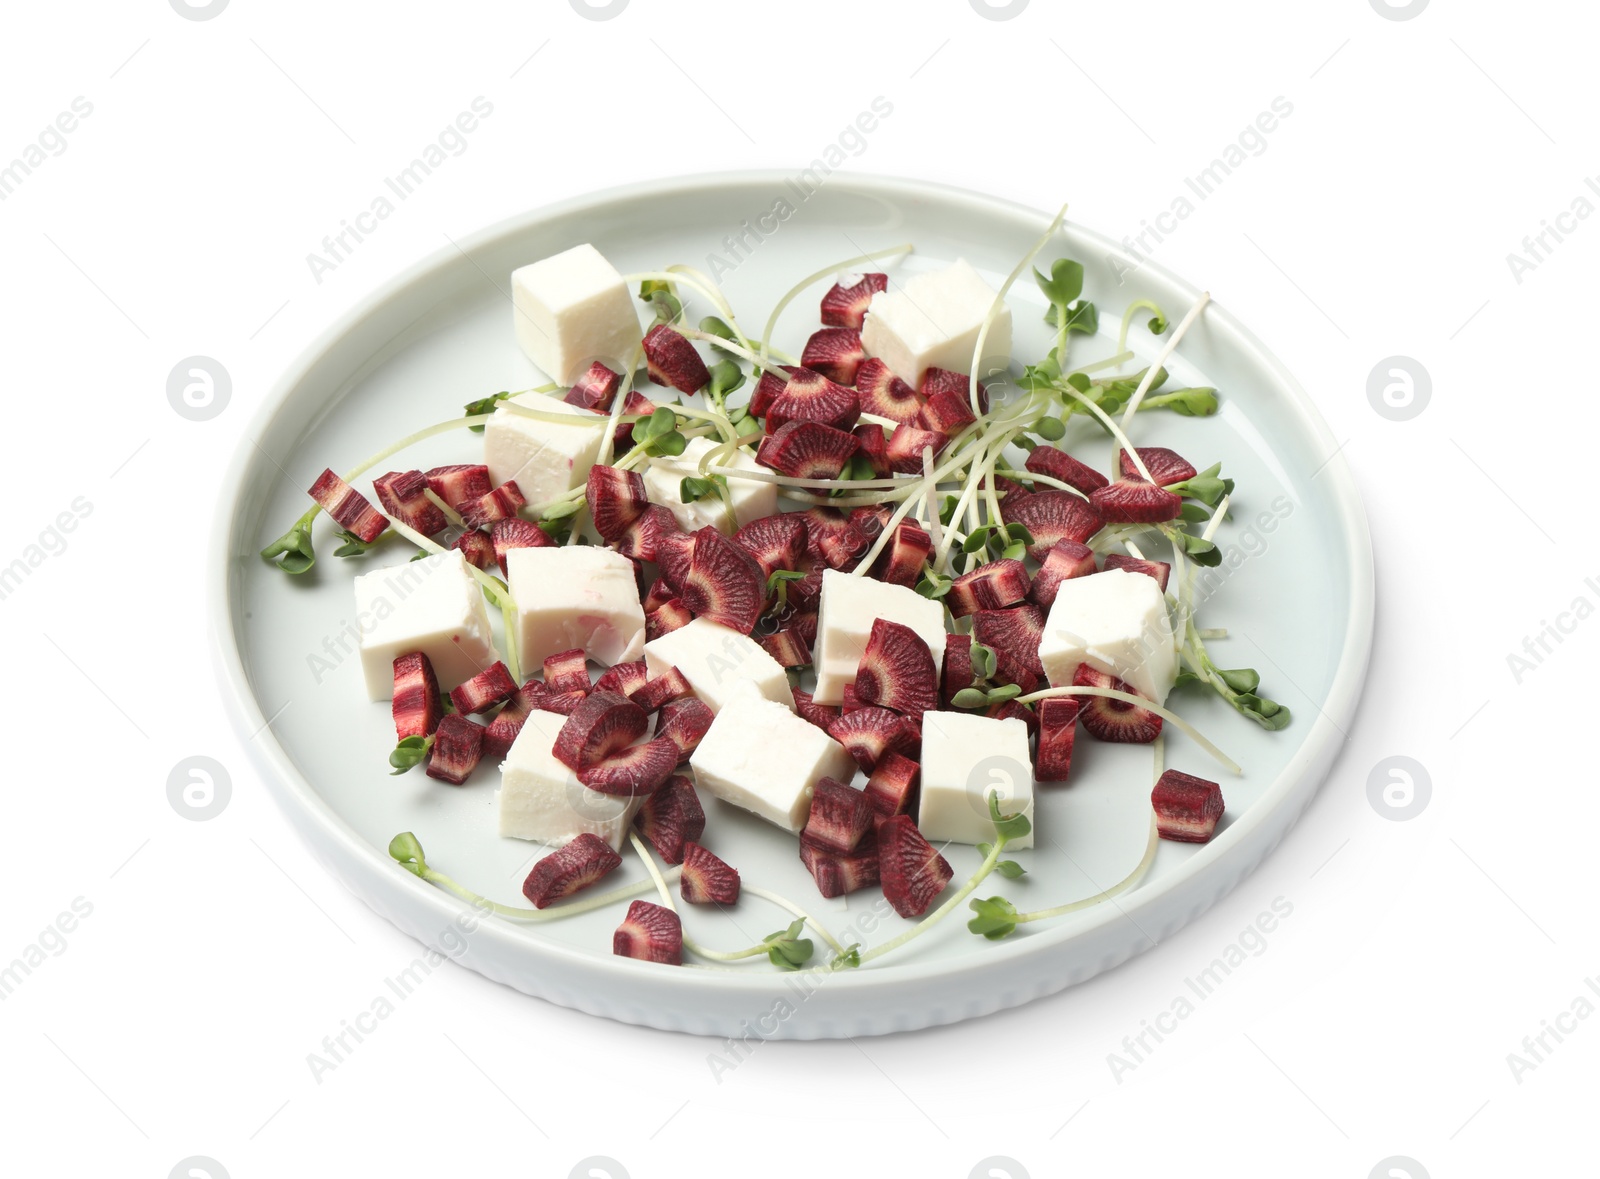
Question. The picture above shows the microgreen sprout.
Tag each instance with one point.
(354, 546)
(1007, 828)
(786, 949)
(484, 405)
(1208, 486)
(662, 298)
(692, 489)
(409, 753)
(293, 552)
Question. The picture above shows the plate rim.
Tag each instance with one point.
(302, 804)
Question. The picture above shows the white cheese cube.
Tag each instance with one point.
(572, 309)
(848, 609)
(933, 320)
(546, 459)
(718, 661)
(433, 606)
(751, 498)
(760, 756)
(964, 758)
(1115, 622)
(540, 798)
(575, 596)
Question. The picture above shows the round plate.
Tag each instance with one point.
(1295, 593)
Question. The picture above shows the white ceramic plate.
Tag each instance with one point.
(1298, 606)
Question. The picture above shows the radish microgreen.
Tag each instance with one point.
(408, 753)
(484, 405)
(293, 552)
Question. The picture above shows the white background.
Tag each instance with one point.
(177, 1019)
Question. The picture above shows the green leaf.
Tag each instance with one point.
(1010, 869)
(977, 539)
(353, 545)
(662, 299)
(1064, 284)
(1190, 403)
(1157, 324)
(713, 326)
(947, 510)
(484, 405)
(726, 376)
(1242, 679)
(1079, 381)
(970, 698)
(672, 443)
(1082, 317)
(1019, 533)
(1269, 714)
(859, 467)
(407, 852)
(1202, 552)
(693, 489)
(1193, 514)
(1014, 552)
(850, 957)
(983, 660)
(1009, 826)
(1185, 677)
(934, 585)
(409, 752)
(996, 917)
(1051, 429)
(293, 552)
(1003, 693)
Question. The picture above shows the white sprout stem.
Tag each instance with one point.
(1212, 632)
(784, 903)
(794, 291)
(1116, 432)
(707, 286)
(515, 913)
(689, 943)
(748, 354)
(560, 419)
(1056, 484)
(958, 460)
(911, 481)
(476, 419)
(1161, 357)
(1121, 886)
(1122, 357)
(1000, 301)
(935, 529)
(1127, 320)
(620, 400)
(1165, 714)
(450, 513)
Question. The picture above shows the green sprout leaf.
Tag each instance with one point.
(1082, 316)
(408, 753)
(713, 326)
(1191, 513)
(671, 443)
(1064, 284)
(1243, 679)
(983, 661)
(1010, 869)
(1157, 324)
(850, 957)
(996, 917)
(1050, 428)
(407, 852)
(1003, 693)
(293, 552)
(693, 489)
(786, 949)
(1190, 403)
(1201, 552)
(353, 545)
(726, 377)
(970, 698)
(662, 299)
(484, 405)
(934, 585)
(1008, 826)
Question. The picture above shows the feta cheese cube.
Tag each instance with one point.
(718, 662)
(575, 596)
(540, 798)
(572, 309)
(933, 320)
(760, 756)
(751, 498)
(546, 459)
(433, 606)
(848, 609)
(1115, 622)
(964, 758)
